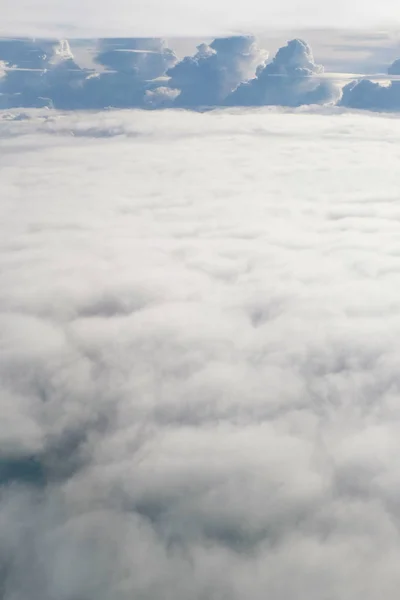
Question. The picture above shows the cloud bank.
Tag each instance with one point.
(146, 73)
(199, 327)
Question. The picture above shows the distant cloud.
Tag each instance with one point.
(146, 73)
(368, 95)
(40, 74)
(394, 68)
(160, 97)
(288, 80)
(209, 76)
(146, 58)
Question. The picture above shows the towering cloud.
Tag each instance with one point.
(209, 76)
(289, 80)
(40, 74)
(368, 95)
(129, 64)
(147, 58)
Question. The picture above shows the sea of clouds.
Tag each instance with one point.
(199, 355)
(146, 73)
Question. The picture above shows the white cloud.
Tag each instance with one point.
(369, 95)
(162, 18)
(216, 70)
(292, 78)
(138, 72)
(199, 355)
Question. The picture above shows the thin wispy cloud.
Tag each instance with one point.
(124, 18)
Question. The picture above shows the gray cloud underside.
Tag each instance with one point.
(145, 73)
(199, 356)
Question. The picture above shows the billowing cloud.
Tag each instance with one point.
(148, 58)
(291, 79)
(368, 95)
(160, 97)
(130, 64)
(199, 327)
(209, 76)
(40, 74)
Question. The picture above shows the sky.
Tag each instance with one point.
(199, 328)
(173, 17)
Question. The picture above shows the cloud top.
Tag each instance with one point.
(199, 327)
(146, 73)
(288, 80)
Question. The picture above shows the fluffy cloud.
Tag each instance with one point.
(45, 73)
(368, 95)
(40, 74)
(130, 65)
(289, 80)
(209, 76)
(147, 58)
(199, 356)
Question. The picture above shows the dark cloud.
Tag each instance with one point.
(291, 79)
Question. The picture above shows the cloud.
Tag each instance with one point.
(394, 68)
(209, 76)
(132, 63)
(199, 355)
(291, 79)
(42, 73)
(148, 58)
(160, 97)
(59, 19)
(368, 95)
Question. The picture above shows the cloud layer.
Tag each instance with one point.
(176, 18)
(199, 356)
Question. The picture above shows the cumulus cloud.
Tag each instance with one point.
(130, 64)
(209, 76)
(289, 80)
(148, 58)
(160, 97)
(199, 355)
(369, 95)
(40, 73)
(46, 73)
